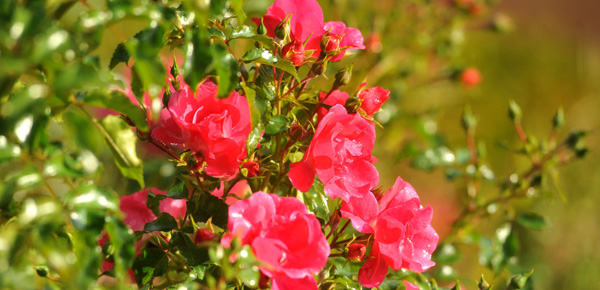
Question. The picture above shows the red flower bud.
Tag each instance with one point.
(294, 52)
(356, 252)
(470, 77)
(252, 168)
(204, 235)
(330, 43)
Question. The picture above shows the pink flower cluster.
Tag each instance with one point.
(308, 35)
(284, 237)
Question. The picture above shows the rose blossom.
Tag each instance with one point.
(338, 38)
(284, 237)
(403, 236)
(340, 155)
(306, 20)
(217, 128)
(372, 99)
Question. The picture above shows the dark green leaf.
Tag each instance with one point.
(193, 255)
(152, 262)
(178, 190)
(209, 206)
(533, 221)
(122, 142)
(153, 201)
(120, 55)
(163, 223)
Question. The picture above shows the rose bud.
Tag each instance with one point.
(203, 235)
(251, 167)
(356, 252)
(294, 52)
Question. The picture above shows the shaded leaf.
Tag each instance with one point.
(208, 206)
(163, 223)
(193, 255)
(119, 102)
(152, 262)
(178, 190)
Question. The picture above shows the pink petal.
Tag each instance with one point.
(373, 272)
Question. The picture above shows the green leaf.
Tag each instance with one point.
(193, 255)
(259, 53)
(238, 10)
(226, 68)
(242, 31)
(153, 201)
(120, 55)
(253, 140)
(533, 221)
(263, 56)
(198, 59)
(122, 142)
(178, 191)
(209, 206)
(163, 223)
(254, 114)
(119, 102)
(316, 200)
(276, 125)
(152, 262)
(91, 197)
(123, 242)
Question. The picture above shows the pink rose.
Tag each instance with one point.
(372, 99)
(137, 214)
(306, 20)
(338, 38)
(284, 237)
(340, 155)
(403, 236)
(216, 128)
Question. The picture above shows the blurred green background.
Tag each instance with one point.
(551, 58)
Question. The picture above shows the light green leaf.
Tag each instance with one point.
(122, 142)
